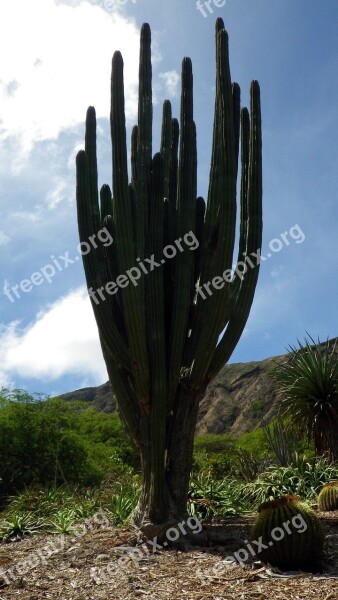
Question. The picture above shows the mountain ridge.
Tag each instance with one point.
(235, 401)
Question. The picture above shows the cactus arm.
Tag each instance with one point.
(134, 143)
(106, 204)
(156, 338)
(93, 267)
(236, 102)
(131, 295)
(144, 141)
(127, 403)
(242, 302)
(166, 139)
(186, 216)
(222, 193)
(170, 218)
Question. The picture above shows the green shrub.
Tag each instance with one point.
(305, 478)
(254, 443)
(209, 498)
(43, 441)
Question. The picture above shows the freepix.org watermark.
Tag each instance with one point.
(132, 556)
(255, 547)
(145, 266)
(57, 264)
(206, 7)
(241, 267)
(51, 548)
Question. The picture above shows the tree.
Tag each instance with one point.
(308, 389)
(168, 305)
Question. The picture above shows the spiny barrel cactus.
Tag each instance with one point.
(170, 305)
(328, 497)
(291, 534)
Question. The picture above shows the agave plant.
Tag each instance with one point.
(210, 498)
(122, 503)
(308, 388)
(18, 525)
(64, 521)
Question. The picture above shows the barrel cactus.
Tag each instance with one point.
(328, 497)
(290, 534)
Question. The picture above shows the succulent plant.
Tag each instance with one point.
(290, 533)
(328, 497)
(164, 334)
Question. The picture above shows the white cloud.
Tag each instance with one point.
(4, 238)
(63, 340)
(171, 80)
(57, 64)
(59, 194)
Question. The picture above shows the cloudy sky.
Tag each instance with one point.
(55, 58)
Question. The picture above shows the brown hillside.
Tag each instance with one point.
(235, 402)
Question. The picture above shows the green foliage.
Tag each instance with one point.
(254, 443)
(43, 441)
(209, 498)
(304, 478)
(297, 545)
(328, 497)
(107, 430)
(308, 386)
(257, 407)
(123, 502)
(17, 525)
(247, 466)
(214, 453)
(281, 444)
(213, 443)
(67, 509)
(63, 521)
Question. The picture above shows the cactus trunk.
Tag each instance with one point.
(160, 330)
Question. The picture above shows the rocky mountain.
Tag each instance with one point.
(235, 402)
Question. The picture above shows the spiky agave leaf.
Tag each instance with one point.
(308, 390)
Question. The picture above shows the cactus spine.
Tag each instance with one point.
(159, 336)
(292, 533)
(328, 497)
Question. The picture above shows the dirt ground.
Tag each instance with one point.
(106, 563)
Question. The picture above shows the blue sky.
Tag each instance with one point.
(58, 63)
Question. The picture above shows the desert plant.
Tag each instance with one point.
(308, 388)
(304, 478)
(159, 327)
(18, 524)
(279, 441)
(123, 502)
(210, 498)
(247, 466)
(328, 497)
(291, 532)
(63, 521)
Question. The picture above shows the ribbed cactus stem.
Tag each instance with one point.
(328, 497)
(292, 534)
(159, 336)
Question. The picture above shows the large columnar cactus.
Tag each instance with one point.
(328, 497)
(290, 533)
(159, 326)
